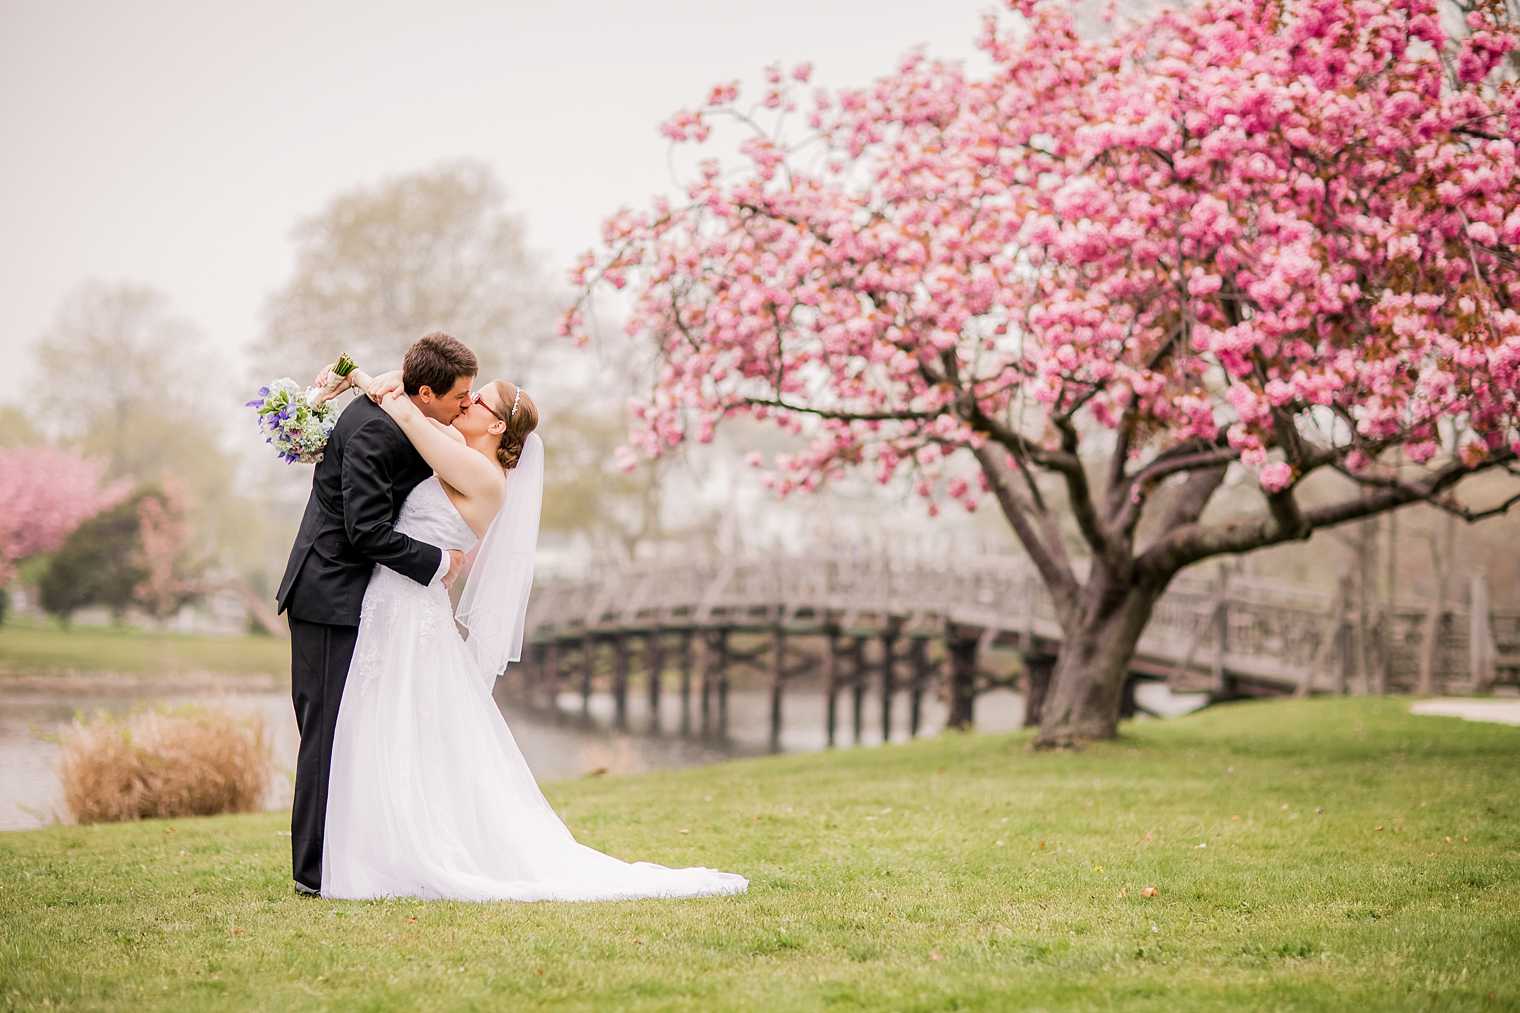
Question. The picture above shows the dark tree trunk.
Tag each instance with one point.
(963, 651)
(1087, 686)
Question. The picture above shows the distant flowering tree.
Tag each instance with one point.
(1255, 236)
(133, 553)
(44, 495)
(163, 536)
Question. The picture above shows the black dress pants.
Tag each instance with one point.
(319, 657)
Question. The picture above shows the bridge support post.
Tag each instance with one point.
(918, 658)
(888, 681)
(963, 652)
(858, 684)
(551, 673)
(1128, 706)
(687, 639)
(620, 678)
(715, 680)
(654, 662)
(704, 691)
(531, 670)
(1224, 684)
(778, 682)
(831, 661)
(588, 665)
(723, 688)
(1036, 683)
(1344, 646)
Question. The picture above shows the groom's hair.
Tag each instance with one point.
(436, 361)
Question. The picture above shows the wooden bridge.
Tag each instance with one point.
(912, 626)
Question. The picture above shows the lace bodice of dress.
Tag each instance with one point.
(428, 515)
(396, 603)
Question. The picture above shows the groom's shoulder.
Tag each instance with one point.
(359, 411)
(362, 413)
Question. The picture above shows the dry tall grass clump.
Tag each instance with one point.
(185, 761)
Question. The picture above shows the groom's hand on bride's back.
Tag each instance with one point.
(456, 564)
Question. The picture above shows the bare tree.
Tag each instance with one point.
(439, 249)
(381, 265)
(118, 347)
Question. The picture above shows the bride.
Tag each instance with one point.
(429, 795)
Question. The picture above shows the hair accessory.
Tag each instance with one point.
(515, 398)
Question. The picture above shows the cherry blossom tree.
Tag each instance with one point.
(1246, 238)
(44, 495)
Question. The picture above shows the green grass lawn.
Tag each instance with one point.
(1321, 854)
(32, 648)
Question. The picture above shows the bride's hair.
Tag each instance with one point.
(522, 419)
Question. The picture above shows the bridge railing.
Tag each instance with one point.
(1270, 631)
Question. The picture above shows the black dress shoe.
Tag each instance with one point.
(303, 890)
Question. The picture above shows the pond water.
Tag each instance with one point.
(558, 743)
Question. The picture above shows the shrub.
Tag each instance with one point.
(183, 761)
(97, 565)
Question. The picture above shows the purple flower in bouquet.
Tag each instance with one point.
(297, 420)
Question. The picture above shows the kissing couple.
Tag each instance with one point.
(408, 781)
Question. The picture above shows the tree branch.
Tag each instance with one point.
(1191, 543)
(1193, 498)
(1137, 488)
(1446, 504)
(1047, 554)
(1079, 492)
(847, 416)
(1122, 439)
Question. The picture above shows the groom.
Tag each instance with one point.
(366, 471)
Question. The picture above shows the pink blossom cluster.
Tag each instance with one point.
(1230, 223)
(44, 495)
(163, 539)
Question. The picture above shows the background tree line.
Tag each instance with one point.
(152, 412)
(169, 498)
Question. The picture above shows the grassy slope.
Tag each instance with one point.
(963, 872)
(29, 648)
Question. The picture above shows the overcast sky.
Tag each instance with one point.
(175, 143)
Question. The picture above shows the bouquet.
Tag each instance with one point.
(297, 421)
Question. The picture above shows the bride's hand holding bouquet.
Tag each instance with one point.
(377, 388)
(297, 422)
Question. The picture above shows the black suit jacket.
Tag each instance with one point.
(366, 471)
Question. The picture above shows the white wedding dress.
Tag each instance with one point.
(429, 795)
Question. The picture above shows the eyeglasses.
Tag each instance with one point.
(477, 400)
